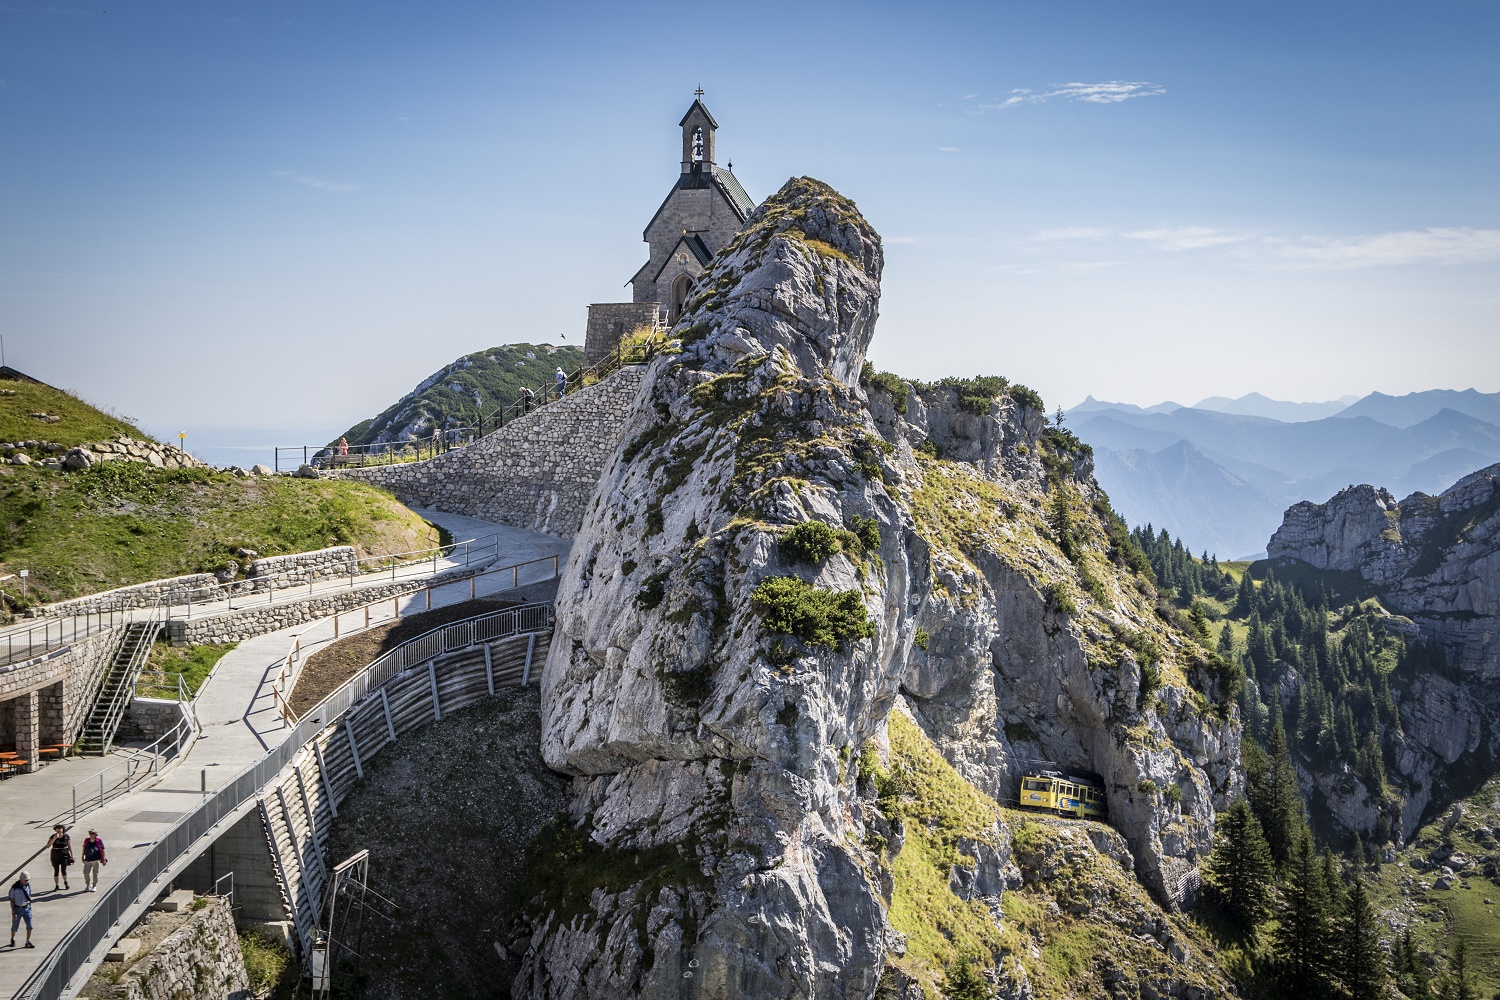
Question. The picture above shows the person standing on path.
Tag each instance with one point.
(528, 399)
(20, 908)
(93, 857)
(61, 846)
(562, 383)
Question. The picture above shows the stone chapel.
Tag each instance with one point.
(702, 213)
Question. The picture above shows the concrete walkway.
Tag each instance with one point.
(239, 725)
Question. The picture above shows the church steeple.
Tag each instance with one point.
(698, 128)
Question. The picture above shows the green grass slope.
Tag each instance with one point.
(1406, 889)
(80, 423)
(455, 395)
(126, 522)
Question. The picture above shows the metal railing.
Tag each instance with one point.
(145, 633)
(150, 759)
(285, 680)
(23, 644)
(70, 955)
(366, 569)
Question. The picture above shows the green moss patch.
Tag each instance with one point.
(830, 618)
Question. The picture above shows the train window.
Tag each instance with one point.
(1034, 785)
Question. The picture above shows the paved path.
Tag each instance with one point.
(239, 725)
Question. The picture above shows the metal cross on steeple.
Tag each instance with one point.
(699, 92)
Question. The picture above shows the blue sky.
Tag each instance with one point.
(220, 214)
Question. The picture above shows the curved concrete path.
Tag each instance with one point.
(239, 725)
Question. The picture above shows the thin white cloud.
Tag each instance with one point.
(902, 239)
(941, 149)
(1177, 238)
(1109, 92)
(314, 182)
(1439, 245)
(1073, 233)
(1447, 245)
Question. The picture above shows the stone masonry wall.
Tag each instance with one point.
(300, 567)
(60, 685)
(148, 720)
(201, 959)
(139, 595)
(610, 321)
(536, 472)
(246, 623)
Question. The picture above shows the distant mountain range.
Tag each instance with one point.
(1220, 474)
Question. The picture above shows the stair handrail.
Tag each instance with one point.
(124, 692)
(152, 756)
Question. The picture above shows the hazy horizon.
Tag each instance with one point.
(268, 214)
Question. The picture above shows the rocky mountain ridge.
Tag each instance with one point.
(1433, 563)
(774, 560)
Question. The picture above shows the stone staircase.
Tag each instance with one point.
(118, 687)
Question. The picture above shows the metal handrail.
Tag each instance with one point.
(67, 629)
(152, 756)
(72, 953)
(284, 682)
(180, 602)
(125, 690)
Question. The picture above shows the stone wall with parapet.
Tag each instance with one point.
(139, 595)
(66, 680)
(609, 322)
(278, 571)
(536, 472)
(202, 958)
(258, 619)
(300, 567)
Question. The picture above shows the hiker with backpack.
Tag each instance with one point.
(93, 857)
(20, 908)
(61, 846)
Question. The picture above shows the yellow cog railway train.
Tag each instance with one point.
(1065, 795)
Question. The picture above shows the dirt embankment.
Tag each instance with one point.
(326, 669)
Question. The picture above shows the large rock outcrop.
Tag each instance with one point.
(1042, 649)
(702, 739)
(771, 560)
(1434, 565)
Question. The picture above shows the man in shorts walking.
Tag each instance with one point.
(20, 908)
(93, 857)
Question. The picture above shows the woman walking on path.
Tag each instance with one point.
(20, 908)
(93, 857)
(62, 856)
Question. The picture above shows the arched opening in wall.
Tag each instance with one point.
(698, 145)
(679, 297)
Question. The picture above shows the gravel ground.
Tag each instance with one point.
(447, 814)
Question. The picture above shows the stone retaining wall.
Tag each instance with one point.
(536, 472)
(139, 595)
(148, 720)
(47, 700)
(245, 623)
(300, 567)
(201, 959)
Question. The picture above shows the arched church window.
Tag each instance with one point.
(698, 144)
(679, 296)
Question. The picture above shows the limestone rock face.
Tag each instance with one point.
(1023, 668)
(690, 724)
(1434, 564)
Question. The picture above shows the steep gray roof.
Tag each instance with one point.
(701, 107)
(741, 201)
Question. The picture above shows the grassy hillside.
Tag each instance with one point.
(455, 395)
(80, 423)
(126, 522)
(1470, 908)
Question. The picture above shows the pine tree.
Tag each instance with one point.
(1302, 938)
(1412, 977)
(1240, 870)
(963, 981)
(1361, 966)
(1244, 597)
(1274, 794)
(1459, 984)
